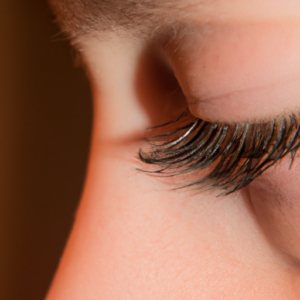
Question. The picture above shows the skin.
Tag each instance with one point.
(229, 70)
(133, 237)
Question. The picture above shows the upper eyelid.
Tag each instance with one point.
(271, 86)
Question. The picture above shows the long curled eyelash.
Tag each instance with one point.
(234, 154)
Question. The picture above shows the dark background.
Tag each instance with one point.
(45, 124)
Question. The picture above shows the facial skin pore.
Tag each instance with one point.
(135, 238)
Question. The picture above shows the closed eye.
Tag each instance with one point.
(232, 154)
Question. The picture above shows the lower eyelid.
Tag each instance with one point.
(234, 154)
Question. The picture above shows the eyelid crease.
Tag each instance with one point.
(232, 154)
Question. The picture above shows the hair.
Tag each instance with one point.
(84, 17)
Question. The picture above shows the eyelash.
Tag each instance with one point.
(235, 154)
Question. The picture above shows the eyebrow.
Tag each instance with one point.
(85, 17)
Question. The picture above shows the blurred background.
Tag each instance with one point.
(45, 125)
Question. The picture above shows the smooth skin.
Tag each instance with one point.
(133, 237)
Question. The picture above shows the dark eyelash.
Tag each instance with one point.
(235, 154)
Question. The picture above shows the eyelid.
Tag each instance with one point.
(242, 106)
(232, 162)
(228, 70)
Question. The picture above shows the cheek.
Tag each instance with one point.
(275, 197)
